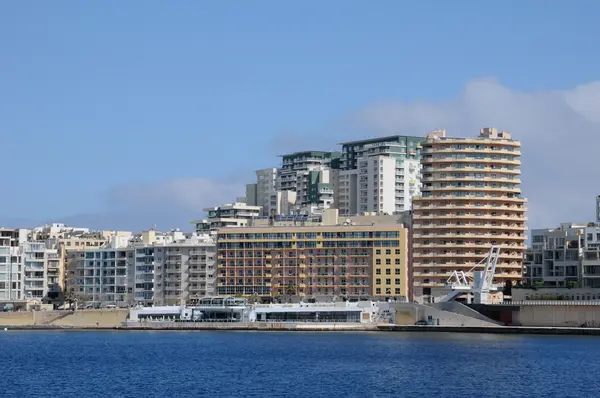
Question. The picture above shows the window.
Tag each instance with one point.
(397, 282)
(388, 281)
(388, 251)
(397, 261)
(378, 281)
(378, 251)
(397, 271)
(388, 261)
(378, 271)
(378, 261)
(378, 290)
(397, 251)
(388, 271)
(397, 291)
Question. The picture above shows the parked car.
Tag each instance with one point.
(421, 323)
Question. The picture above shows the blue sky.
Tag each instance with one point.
(125, 114)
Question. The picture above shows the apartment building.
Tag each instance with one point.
(100, 267)
(251, 197)
(11, 264)
(37, 260)
(100, 276)
(184, 271)
(282, 203)
(349, 261)
(566, 256)
(266, 186)
(151, 268)
(72, 246)
(470, 200)
(228, 215)
(54, 230)
(379, 175)
(309, 174)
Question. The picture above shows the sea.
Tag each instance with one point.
(295, 364)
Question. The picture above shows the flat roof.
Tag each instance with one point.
(388, 138)
(305, 152)
(332, 228)
(308, 309)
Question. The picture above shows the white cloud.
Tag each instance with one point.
(167, 204)
(559, 131)
(187, 194)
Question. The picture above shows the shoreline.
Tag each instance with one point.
(280, 327)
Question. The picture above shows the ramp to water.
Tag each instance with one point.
(409, 313)
(459, 308)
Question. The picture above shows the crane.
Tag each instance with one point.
(482, 281)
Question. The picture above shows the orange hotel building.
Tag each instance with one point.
(349, 261)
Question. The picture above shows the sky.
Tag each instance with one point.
(125, 115)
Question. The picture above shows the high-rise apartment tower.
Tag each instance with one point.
(470, 200)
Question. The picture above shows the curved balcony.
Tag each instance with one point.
(435, 207)
(426, 161)
(470, 216)
(446, 168)
(469, 198)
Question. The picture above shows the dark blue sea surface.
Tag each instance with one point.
(290, 364)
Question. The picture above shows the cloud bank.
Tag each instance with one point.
(559, 132)
(167, 204)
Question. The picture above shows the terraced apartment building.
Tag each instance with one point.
(347, 261)
(470, 200)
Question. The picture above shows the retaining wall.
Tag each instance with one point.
(105, 318)
(409, 313)
(560, 316)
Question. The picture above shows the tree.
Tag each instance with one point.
(70, 298)
(290, 290)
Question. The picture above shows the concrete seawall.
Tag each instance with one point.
(80, 318)
(298, 327)
(305, 327)
(493, 330)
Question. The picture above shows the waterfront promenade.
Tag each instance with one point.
(117, 320)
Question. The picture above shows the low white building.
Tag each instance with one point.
(228, 215)
(231, 309)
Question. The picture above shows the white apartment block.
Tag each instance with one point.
(11, 264)
(54, 230)
(36, 268)
(153, 268)
(28, 270)
(184, 271)
(282, 203)
(379, 175)
(227, 215)
(569, 254)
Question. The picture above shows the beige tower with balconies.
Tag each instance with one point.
(470, 200)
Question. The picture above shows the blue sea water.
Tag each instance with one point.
(290, 364)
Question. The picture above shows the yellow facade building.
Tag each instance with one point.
(346, 261)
